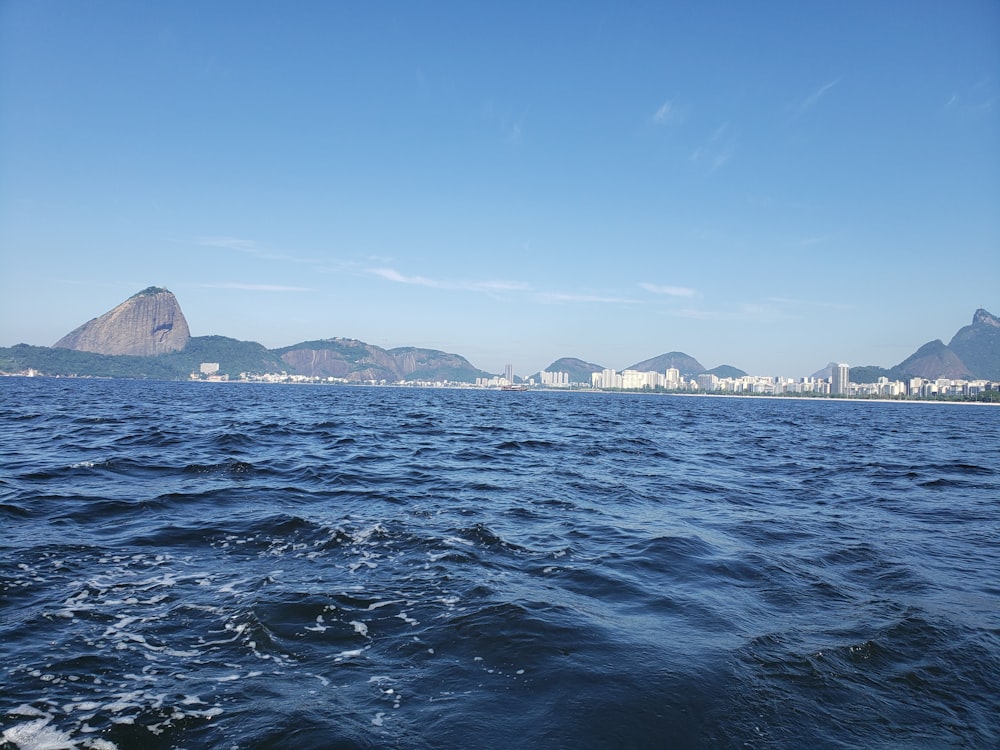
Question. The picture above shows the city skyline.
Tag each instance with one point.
(770, 188)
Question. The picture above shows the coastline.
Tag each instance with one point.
(466, 386)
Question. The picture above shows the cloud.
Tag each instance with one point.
(808, 303)
(665, 113)
(497, 286)
(718, 149)
(810, 101)
(695, 314)
(975, 100)
(670, 291)
(230, 243)
(256, 287)
(557, 297)
(391, 274)
(755, 311)
(250, 247)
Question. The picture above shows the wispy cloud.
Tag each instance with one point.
(391, 274)
(977, 99)
(760, 311)
(670, 291)
(249, 247)
(498, 287)
(256, 287)
(665, 113)
(792, 302)
(558, 297)
(718, 149)
(810, 101)
(698, 314)
(229, 243)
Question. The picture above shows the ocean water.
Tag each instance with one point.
(189, 565)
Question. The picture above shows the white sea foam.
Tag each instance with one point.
(25, 710)
(38, 735)
(405, 617)
(350, 654)
(319, 627)
(386, 603)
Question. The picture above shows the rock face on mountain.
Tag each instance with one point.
(339, 358)
(358, 362)
(146, 324)
(688, 366)
(978, 345)
(413, 363)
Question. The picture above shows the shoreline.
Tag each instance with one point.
(469, 387)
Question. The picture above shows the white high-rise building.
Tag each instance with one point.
(839, 379)
(555, 379)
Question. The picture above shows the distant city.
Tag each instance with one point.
(838, 384)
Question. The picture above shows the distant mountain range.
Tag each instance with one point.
(972, 354)
(147, 336)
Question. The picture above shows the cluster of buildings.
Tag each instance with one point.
(838, 384)
(498, 381)
(637, 380)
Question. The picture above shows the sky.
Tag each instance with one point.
(772, 185)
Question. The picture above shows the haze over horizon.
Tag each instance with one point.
(771, 187)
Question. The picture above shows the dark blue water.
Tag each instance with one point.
(238, 566)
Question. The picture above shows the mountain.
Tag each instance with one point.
(578, 370)
(973, 353)
(978, 345)
(232, 355)
(357, 361)
(148, 323)
(933, 360)
(339, 358)
(69, 362)
(429, 364)
(726, 371)
(825, 373)
(688, 366)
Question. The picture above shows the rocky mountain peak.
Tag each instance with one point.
(148, 323)
(982, 317)
(978, 345)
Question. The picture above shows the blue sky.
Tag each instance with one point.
(769, 185)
